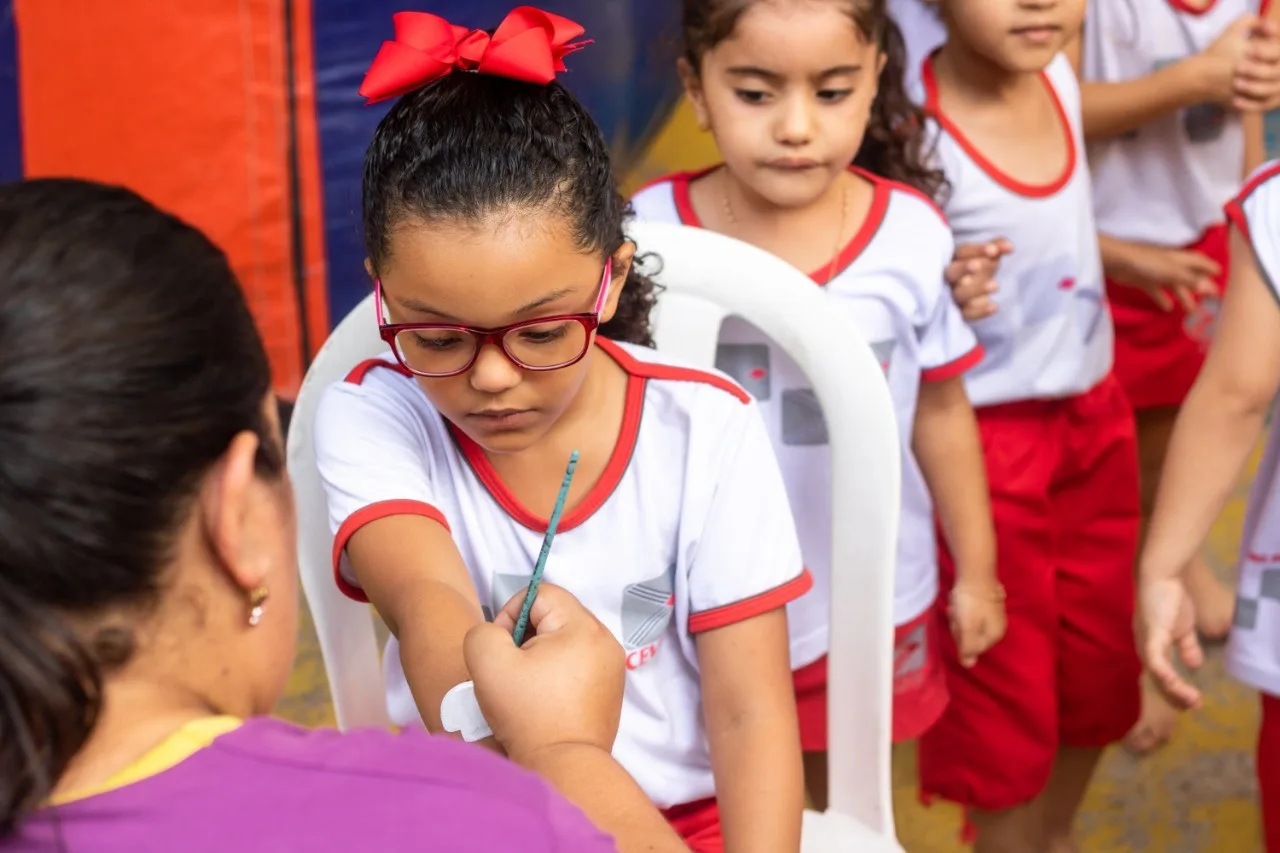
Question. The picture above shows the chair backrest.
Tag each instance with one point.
(708, 277)
(344, 627)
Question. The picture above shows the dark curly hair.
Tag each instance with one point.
(467, 145)
(895, 145)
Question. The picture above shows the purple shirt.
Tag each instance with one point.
(272, 787)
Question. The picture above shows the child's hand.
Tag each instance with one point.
(977, 619)
(971, 275)
(1217, 64)
(1257, 76)
(1168, 274)
(1168, 621)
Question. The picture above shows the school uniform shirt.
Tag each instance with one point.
(888, 283)
(1166, 182)
(1253, 652)
(1052, 335)
(265, 786)
(687, 530)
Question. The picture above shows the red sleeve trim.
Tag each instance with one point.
(1235, 215)
(670, 373)
(367, 515)
(361, 370)
(952, 369)
(749, 608)
(1235, 208)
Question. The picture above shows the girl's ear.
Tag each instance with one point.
(693, 91)
(368, 269)
(622, 261)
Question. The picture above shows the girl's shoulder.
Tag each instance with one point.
(1256, 213)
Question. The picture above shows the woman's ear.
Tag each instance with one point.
(623, 258)
(229, 506)
(693, 91)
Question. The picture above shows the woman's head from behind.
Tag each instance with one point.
(796, 90)
(143, 503)
(487, 202)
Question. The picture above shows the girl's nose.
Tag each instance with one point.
(493, 372)
(796, 125)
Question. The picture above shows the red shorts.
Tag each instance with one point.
(698, 823)
(1063, 476)
(1269, 772)
(1159, 353)
(919, 686)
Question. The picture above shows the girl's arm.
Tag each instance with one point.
(1112, 109)
(1163, 273)
(412, 573)
(749, 705)
(1220, 420)
(949, 452)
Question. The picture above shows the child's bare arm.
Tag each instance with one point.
(949, 452)
(1112, 109)
(749, 705)
(411, 571)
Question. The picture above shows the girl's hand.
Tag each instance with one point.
(977, 619)
(971, 275)
(1168, 274)
(1168, 618)
(1217, 64)
(1257, 76)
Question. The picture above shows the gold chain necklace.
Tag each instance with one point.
(844, 220)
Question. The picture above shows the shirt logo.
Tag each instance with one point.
(646, 614)
(748, 365)
(883, 351)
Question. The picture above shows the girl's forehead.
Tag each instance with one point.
(482, 272)
(784, 31)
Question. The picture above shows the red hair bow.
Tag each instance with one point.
(528, 45)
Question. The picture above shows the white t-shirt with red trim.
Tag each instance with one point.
(687, 530)
(1253, 652)
(1167, 181)
(1052, 335)
(889, 283)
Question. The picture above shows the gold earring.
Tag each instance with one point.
(257, 599)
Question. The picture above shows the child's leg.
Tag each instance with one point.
(1269, 771)
(1096, 504)
(993, 749)
(811, 710)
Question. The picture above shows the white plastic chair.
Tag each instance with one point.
(344, 627)
(707, 277)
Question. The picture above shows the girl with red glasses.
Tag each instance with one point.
(518, 327)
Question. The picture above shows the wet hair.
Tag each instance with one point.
(468, 146)
(895, 146)
(128, 363)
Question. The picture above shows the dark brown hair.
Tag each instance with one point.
(894, 145)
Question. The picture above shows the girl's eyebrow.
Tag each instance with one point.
(774, 77)
(419, 307)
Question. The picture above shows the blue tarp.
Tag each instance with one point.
(10, 132)
(627, 79)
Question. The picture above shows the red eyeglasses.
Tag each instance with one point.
(437, 350)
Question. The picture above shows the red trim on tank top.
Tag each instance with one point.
(1235, 208)
(1187, 9)
(881, 190)
(930, 82)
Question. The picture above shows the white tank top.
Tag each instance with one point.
(1052, 335)
(1253, 654)
(1166, 182)
(922, 30)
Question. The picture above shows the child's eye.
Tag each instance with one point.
(436, 341)
(751, 96)
(833, 96)
(543, 334)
